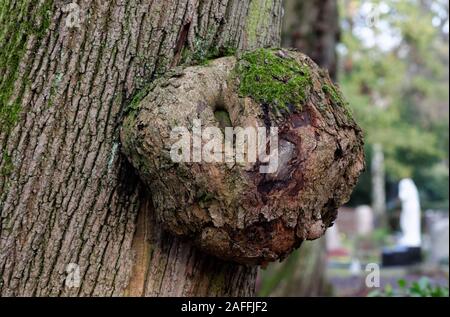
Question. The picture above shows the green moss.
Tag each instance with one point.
(204, 51)
(19, 21)
(337, 98)
(270, 79)
(8, 165)
(205, 197)
(205, 48)
(135, 102)
(9, 114)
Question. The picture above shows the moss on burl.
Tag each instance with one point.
(337, 98)
(273, 78)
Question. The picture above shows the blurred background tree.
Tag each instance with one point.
(394, 72)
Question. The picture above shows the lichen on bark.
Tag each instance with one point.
(258, 18)
(232, 210)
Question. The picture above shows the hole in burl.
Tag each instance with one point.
(338, 153)
(223, 117)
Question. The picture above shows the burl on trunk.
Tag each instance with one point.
(232, 210)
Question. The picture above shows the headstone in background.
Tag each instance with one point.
(364, 220)
(437, 224)
(346, 221)
(333, 240)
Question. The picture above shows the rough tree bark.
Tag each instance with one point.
(67, 71)
(313, 28)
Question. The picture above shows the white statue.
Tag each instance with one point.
(410, 215)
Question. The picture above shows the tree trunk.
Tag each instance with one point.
(302, 274)
(67, 195)
(313, 28)
(378, 186)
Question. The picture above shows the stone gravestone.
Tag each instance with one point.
(333, 240)
(364, 220)
(438, 225)
(439, 241)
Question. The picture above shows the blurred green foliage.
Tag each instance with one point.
(394, 72)
(420, 288)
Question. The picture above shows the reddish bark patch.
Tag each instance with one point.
(300, 119)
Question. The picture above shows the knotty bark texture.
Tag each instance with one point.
(67, 195)
(235, 211)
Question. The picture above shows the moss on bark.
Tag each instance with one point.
(337, 98)
(20, 21)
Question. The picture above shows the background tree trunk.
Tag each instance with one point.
(67, 71)
(313, 28)
(378, 186)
